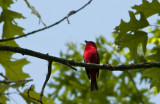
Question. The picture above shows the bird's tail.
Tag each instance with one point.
(94, 86)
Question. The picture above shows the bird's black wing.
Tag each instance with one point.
(98, 62)
(87, 72)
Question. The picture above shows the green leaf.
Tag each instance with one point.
(10, 27)
(132, 25)
(148, 8)
(115, 62)
(154, 74)
(156, 55)
(35, 95)
(8, 15)
(5, 3)
(132, 42)
(14, 68)
(9, 30)
(3, 97)
(56, 67)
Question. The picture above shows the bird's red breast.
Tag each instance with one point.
(90, 54)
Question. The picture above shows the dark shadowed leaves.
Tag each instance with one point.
(132, 41)
(132, 26)
(5, 3)
(148, 8)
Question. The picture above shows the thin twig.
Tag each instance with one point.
(47, 78)
(8, 93)
(44, 85)
(139, 94)
(69, 14)
(155, 25)
(1, 74)
(30, 89)
(80, 64)
(56, 23)
(7, 80)
(16, 81)
(67, 64)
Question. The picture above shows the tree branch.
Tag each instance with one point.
(16, 81)
(8, 81)
(56, 23)
(30, 89)
(80, 64)
(47, 78)
(6, 78)
(132, 79)
(44, 85)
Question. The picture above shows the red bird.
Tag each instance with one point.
(91, 56)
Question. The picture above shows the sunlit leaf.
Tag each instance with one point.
(9, 30)
(8, 15)
(35, 95)
(14, 68)
(154, 74)
(3, 98)
(156, 54)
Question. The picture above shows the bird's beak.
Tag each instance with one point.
(86, 41)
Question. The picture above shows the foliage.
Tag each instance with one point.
(153, 73)
(112, 88)
(147, 8)
(132, 40)
(127, 36)
(13, 67)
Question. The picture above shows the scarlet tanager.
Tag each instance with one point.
(91, 56)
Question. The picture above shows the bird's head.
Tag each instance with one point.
(90, 43)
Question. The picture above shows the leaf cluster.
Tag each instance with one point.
(12, 67)
(133, 34)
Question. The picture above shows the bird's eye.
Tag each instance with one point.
(92, 43)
